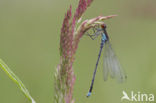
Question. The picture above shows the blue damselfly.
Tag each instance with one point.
(111, 65)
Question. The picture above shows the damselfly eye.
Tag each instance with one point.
(103, 26)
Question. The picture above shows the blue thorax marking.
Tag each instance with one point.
(104, 38)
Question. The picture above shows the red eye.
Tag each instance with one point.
(103, 26)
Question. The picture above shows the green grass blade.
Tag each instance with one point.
(12, 76)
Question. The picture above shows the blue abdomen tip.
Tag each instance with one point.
(89, 93)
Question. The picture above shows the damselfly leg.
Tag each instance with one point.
(96, 32)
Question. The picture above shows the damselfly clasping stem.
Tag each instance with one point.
(111, 65)
(71, 32)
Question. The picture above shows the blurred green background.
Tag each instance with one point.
(29, 44)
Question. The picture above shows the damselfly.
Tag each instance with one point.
(111, 65)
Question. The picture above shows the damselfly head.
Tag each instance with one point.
(103, 26)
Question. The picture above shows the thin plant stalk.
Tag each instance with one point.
(15, 79)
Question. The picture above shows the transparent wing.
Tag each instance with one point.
(111, 65)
